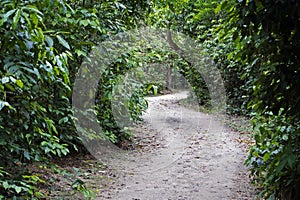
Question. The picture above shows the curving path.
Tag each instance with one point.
(184, 154)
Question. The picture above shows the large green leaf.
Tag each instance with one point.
(6, 16)
(16, 19)
(63, 42)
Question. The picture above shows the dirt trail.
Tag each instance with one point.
(191, 155)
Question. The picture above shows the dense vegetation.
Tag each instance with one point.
(43, 44)
(254, 44)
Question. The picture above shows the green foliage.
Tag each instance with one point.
(269, 46)
(254, 44)
(198, 20)
(265, 36)
(19, 186)
(42, 46)
(198, 85)
(34, 93)
(34, 85)
(275, 156)
(110, 91)
(79, 185)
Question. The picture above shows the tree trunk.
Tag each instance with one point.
(169, 77)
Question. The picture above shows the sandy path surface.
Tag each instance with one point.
(185, 154)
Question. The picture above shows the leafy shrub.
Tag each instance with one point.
(42, 46)
(266, 35)
(275, 157)
(35, 86)
(110, 91)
